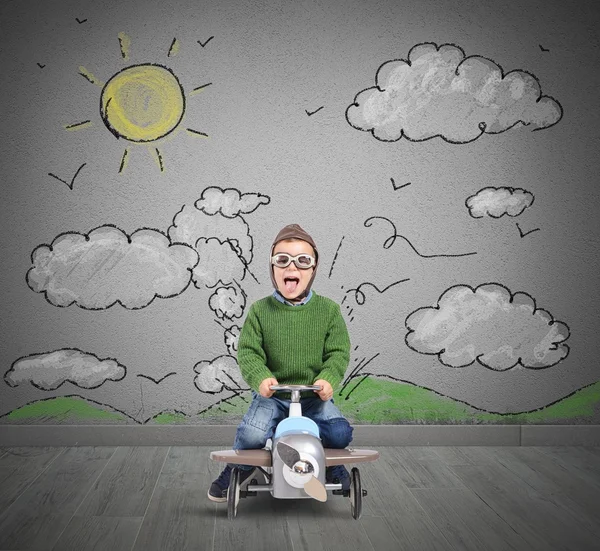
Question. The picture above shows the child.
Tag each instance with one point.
(293, 336)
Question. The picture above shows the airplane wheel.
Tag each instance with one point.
(233, 493)
(356, 494)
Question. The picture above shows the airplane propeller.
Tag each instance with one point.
(290, 456)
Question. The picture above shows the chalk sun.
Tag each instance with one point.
(141, 103)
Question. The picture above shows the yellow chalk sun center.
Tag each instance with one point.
(142, 103)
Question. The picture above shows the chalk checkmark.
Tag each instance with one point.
(205, 43)
(523, 234)
(72, 179)
(310, 114)
(396, 188)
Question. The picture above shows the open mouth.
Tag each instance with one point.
(291, 283)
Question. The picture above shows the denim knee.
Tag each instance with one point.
(249, 437)
(336, 432)
(258, 424)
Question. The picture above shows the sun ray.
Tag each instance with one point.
(199, 89)
(124, 43)
(197, 133)
(90, 77)
(78, 125)
(124, 160)
(174, 49)
(158, 158)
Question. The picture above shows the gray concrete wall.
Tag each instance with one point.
(444, 155)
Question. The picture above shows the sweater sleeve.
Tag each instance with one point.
(336, 352)
(250, 355)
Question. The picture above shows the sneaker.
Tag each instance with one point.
(336, 475)
(218, 489)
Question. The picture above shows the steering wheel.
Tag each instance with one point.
(295, 389)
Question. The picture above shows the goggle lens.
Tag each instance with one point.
(302, 261)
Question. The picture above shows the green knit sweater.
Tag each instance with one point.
(294, 344)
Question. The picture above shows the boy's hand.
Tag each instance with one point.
(264, 389)
(326, 392)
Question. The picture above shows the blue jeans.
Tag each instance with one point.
(264, 414)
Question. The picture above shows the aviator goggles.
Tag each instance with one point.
(302, 261)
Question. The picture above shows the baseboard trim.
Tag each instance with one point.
(364, 435)
(560, 435)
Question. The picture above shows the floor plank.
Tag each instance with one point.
(571, 493)
(260, 524)
(451, 455)
(125, 486)
(578, 459)
(179, 515)
(98, 534)
(190, 459)
(536, 519)
(19, 467)
(40, 514)
(390, 511)
(422, 467)
(309, 520)
(466, 521)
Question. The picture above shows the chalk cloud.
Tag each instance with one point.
(439, 92)
(107, 266)
(489, 325)
(227, 302)
(497, 202)
(50, 370)
(229, 202)
(219, 374)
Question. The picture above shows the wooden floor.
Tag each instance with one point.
(419, 498)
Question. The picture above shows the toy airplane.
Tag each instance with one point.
(294, 467)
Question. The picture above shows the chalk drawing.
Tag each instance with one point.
(437, 91)
(219, 375)
(359, 295)
(141, 103)
(203, 44)
(311, 113)
(228, 302)
(215, 227)
(498, 202)
(156, 381)
(396, 188)
(391, 240)
(107, 266)
(488, 325)
(69, 184)
(50, 370)
(523, 234)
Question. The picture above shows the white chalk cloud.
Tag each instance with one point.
(48, 371)
(438, 92)
(221, 373)
(496, 202)
(219, 262)
(489, 325)
(190, 225)
(107, 266)
(232, 337)
(227, 302)
(229, 202)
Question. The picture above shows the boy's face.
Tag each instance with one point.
(290, 280)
